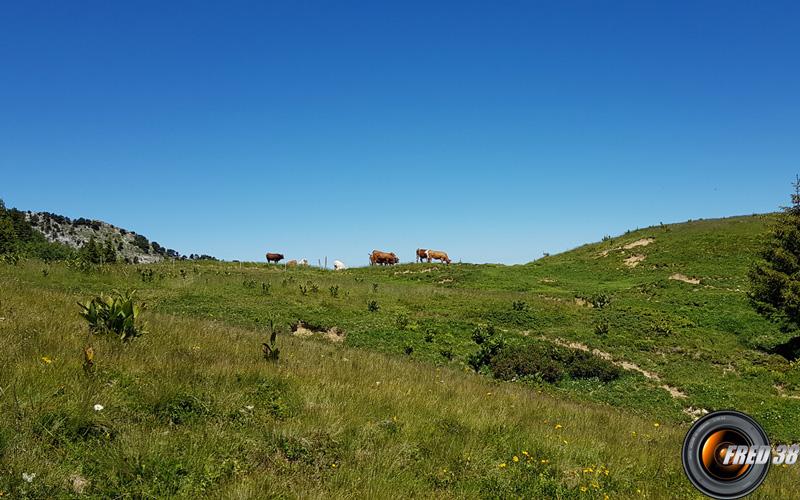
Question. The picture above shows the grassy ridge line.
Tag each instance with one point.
(326, 421)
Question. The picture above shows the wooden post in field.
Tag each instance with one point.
(326, 262)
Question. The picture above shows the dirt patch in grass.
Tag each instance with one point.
(304, 330)
(685, 279)
(633, 260)
(695, 413)
(782, 392)
(639, 243)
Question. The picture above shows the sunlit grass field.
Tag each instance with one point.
(192, 408)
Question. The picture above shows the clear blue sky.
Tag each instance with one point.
(493, 130)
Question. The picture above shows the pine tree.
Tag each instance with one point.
(109, 254)
(8, 237)
(91, 252)
(775, 278)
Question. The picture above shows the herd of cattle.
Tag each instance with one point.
(377, 257)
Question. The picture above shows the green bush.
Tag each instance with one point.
(529, 361)
(582, 364)
(401, 321)
(550, 363)
(490, 345)
(117, 314)
(10, 258)
(599, 300)
(601, 328)
(482, 333)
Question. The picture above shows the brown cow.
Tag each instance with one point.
(437, 255)
(383, 258)
(422, 254)
(276, 257)
(291, 263)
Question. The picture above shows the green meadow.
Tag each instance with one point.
(376, 392)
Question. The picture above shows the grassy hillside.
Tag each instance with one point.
(395, 409)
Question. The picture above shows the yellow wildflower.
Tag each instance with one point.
(502, 465)
(516, 458)
(47, 359)
(558, 426)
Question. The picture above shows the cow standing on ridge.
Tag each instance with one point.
(383, 258)
(437, 255)
(274, 257)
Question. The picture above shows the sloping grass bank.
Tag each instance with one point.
(191, 408)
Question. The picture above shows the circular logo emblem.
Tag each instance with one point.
(726, 455)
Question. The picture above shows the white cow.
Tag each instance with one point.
(302, 262)
(338, 265)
